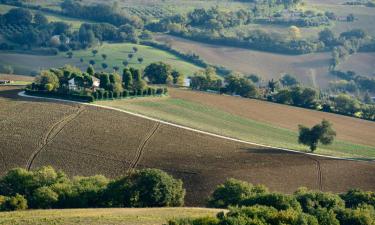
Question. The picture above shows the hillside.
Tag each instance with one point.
(154, 216)
(311, 69)
(254, 120)
(86, 140)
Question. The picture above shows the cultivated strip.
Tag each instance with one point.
(51, 135)
(22, 94)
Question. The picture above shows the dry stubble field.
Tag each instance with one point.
(311, 69)
(85, 140)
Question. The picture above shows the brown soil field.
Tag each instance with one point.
(311, 69)
(16, 77)
(348, 128)
(85, 140)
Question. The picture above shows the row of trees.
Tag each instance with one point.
(46, 188)
(286, 90)
(249, 204)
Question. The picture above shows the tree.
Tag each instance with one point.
(127, 79)
(92, 62)
(327, 37)
(104, 65)
(294, 32)
(346, 105)
(125, 63)
(178, 77)
(44, 198)
(69, 54)
(81, 60)
(18, 16)
(104, 81)
(288, 80)
(254, 78)
(135, 49)
(94, 52)
(273, 85)
(322, 133)
(116, 68)
(130, 56)
(40, 19)
(140, 60)
(233, 192)
(90, 70)
(104, 56)
(158, 73)
(48, 79)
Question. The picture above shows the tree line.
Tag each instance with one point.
(46, 188)
(286, 90)
(255, 204)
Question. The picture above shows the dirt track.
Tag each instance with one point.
(101, 141)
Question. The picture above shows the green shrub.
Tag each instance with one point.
(126, 94)
(17, 202)
(233, 192)
(44, 198)
(159, 91)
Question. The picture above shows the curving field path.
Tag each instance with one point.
(104, 141)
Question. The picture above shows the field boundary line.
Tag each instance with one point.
(22, 94)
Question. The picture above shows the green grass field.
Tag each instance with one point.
(30, 64)
(117, 53)
(152, 216)
(213, 120)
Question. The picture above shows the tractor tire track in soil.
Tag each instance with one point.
(143, 144)
(319, 172)
(52, 133)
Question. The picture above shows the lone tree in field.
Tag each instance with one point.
(322, 133)
(69, 54)
(130, 55)
(135, 49)
(94, 52)
(104, 56)
(140, 60)
(125, 63)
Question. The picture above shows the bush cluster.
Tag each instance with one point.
(250, 204)
(46, 188)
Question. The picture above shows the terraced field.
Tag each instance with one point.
(86, 140)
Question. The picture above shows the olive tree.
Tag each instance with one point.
(322, 133)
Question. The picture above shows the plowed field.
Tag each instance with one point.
(85, 140)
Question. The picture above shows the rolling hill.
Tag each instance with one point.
(87, 140)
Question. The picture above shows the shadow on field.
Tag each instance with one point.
(269, 151)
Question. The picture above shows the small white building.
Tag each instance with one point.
(74, 86)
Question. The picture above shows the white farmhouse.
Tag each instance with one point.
(74, 86)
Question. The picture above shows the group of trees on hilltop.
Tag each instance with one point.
(46, 188)
(249, 204)
(112, 85)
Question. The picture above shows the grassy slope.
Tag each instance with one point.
(214, 120)
(155, 216)
(117, 53)
(31, 64)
